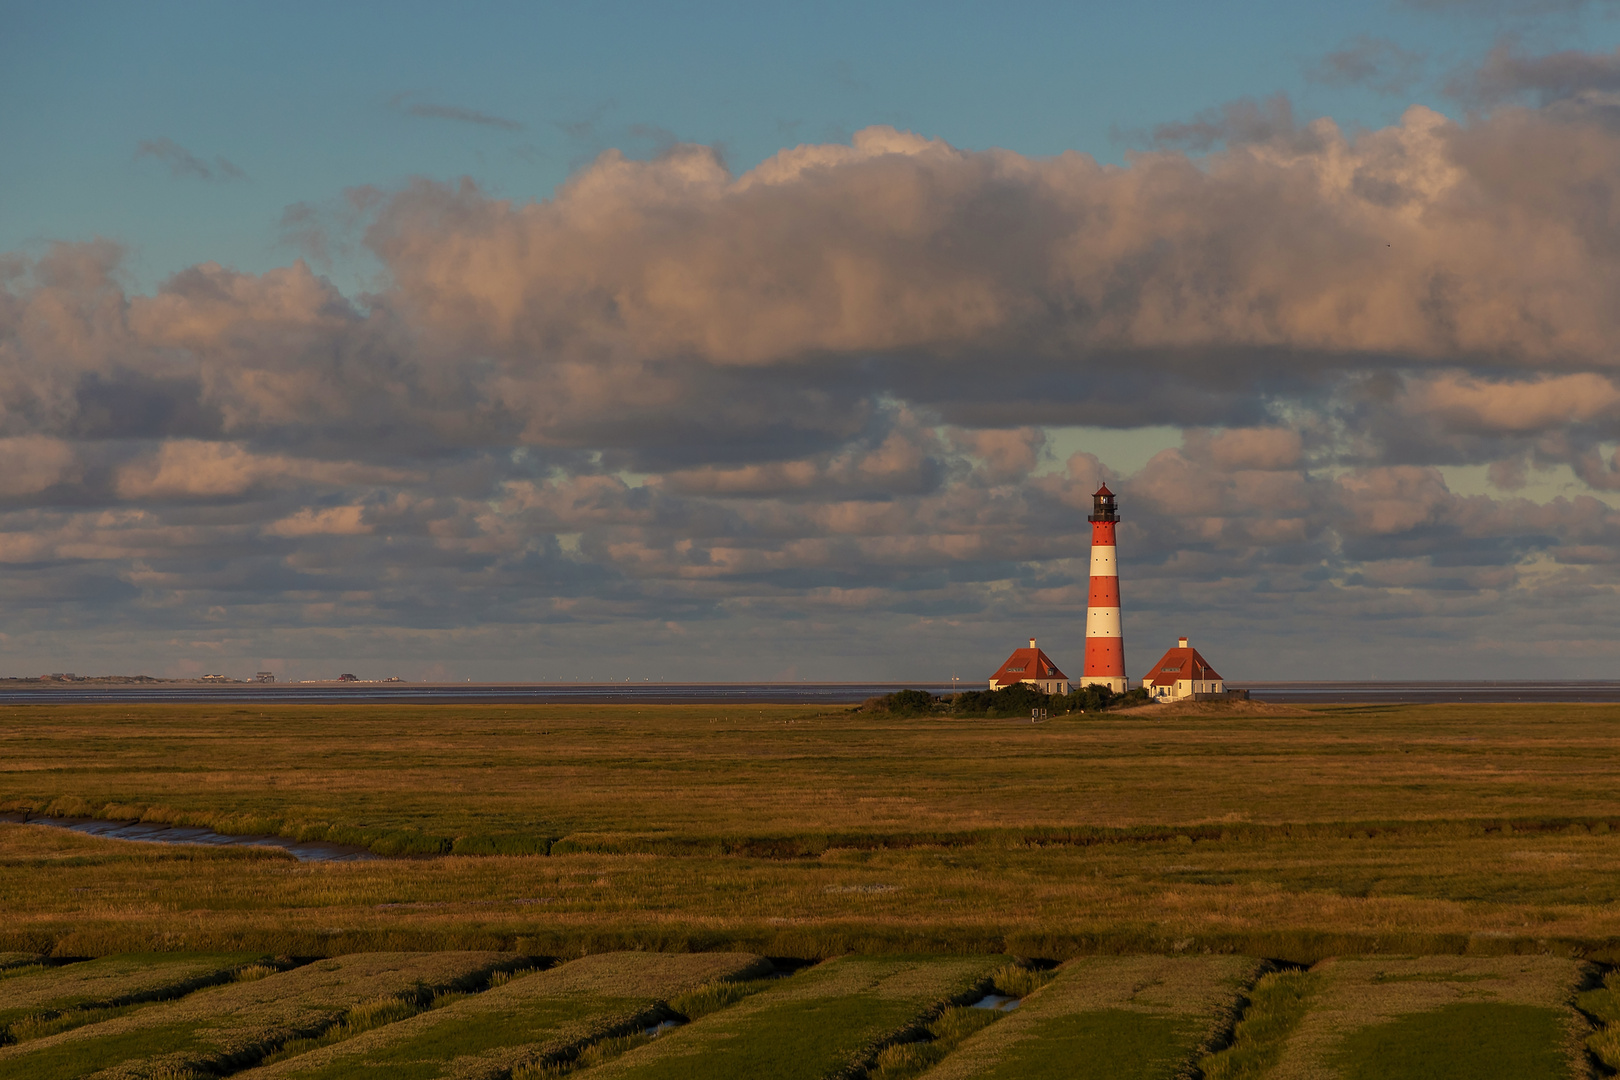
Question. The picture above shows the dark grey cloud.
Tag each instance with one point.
(1509, 73)
(1374, 62)
(1501, 8)
(1237, 122)
(426, 110)
(183, 163)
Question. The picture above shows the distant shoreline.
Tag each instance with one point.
(146, 689)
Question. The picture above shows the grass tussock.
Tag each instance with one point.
(255, 972)
(714, 996)
(1020, 980)
(903, 1061)
(590, 1056)
(501, 978)
(1276, 1006)
(1602, 1005)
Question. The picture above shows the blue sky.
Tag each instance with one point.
(309, 99)
(610, 340)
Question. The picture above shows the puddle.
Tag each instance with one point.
(151, 833)
(997, 1002)
(661, 1027)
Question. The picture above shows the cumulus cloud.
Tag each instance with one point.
(332, 521)
(1519, 405)
(677, 394)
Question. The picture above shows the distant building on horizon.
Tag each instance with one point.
(1182, 673)
(1031, 666)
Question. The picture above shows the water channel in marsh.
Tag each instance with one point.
(148, 832)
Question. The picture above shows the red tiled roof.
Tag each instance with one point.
(1101, 491)
(1027, 664)
(1178, 664)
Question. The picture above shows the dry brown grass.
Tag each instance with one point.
(1216, 710)
(791, 831)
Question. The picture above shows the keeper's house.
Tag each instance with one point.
(1183, 673)
(1031, 666)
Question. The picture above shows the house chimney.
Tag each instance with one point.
(1183, 642)
(1032, 643)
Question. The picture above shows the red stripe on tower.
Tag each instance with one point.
(1105, 648)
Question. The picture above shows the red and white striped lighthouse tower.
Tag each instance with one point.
(1105, 649)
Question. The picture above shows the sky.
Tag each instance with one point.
(713, 341)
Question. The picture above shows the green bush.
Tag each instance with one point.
(1022, 698)
(903, 703)
(1017, 700)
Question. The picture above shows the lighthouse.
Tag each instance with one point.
(1105, 649)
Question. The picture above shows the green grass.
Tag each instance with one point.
(531, 1021)
(714, 996)
(71, 1060)
(831, 1020)
(1110, 1044)
(1275, 1008)
(1464, 1041)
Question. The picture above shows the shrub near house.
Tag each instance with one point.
(1020, 700)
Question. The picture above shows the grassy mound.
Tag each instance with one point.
(226, 1028)
(531, 1024)
(1109, 1018)
(1413, 1018)
(47, 1000)
(832, 1020)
